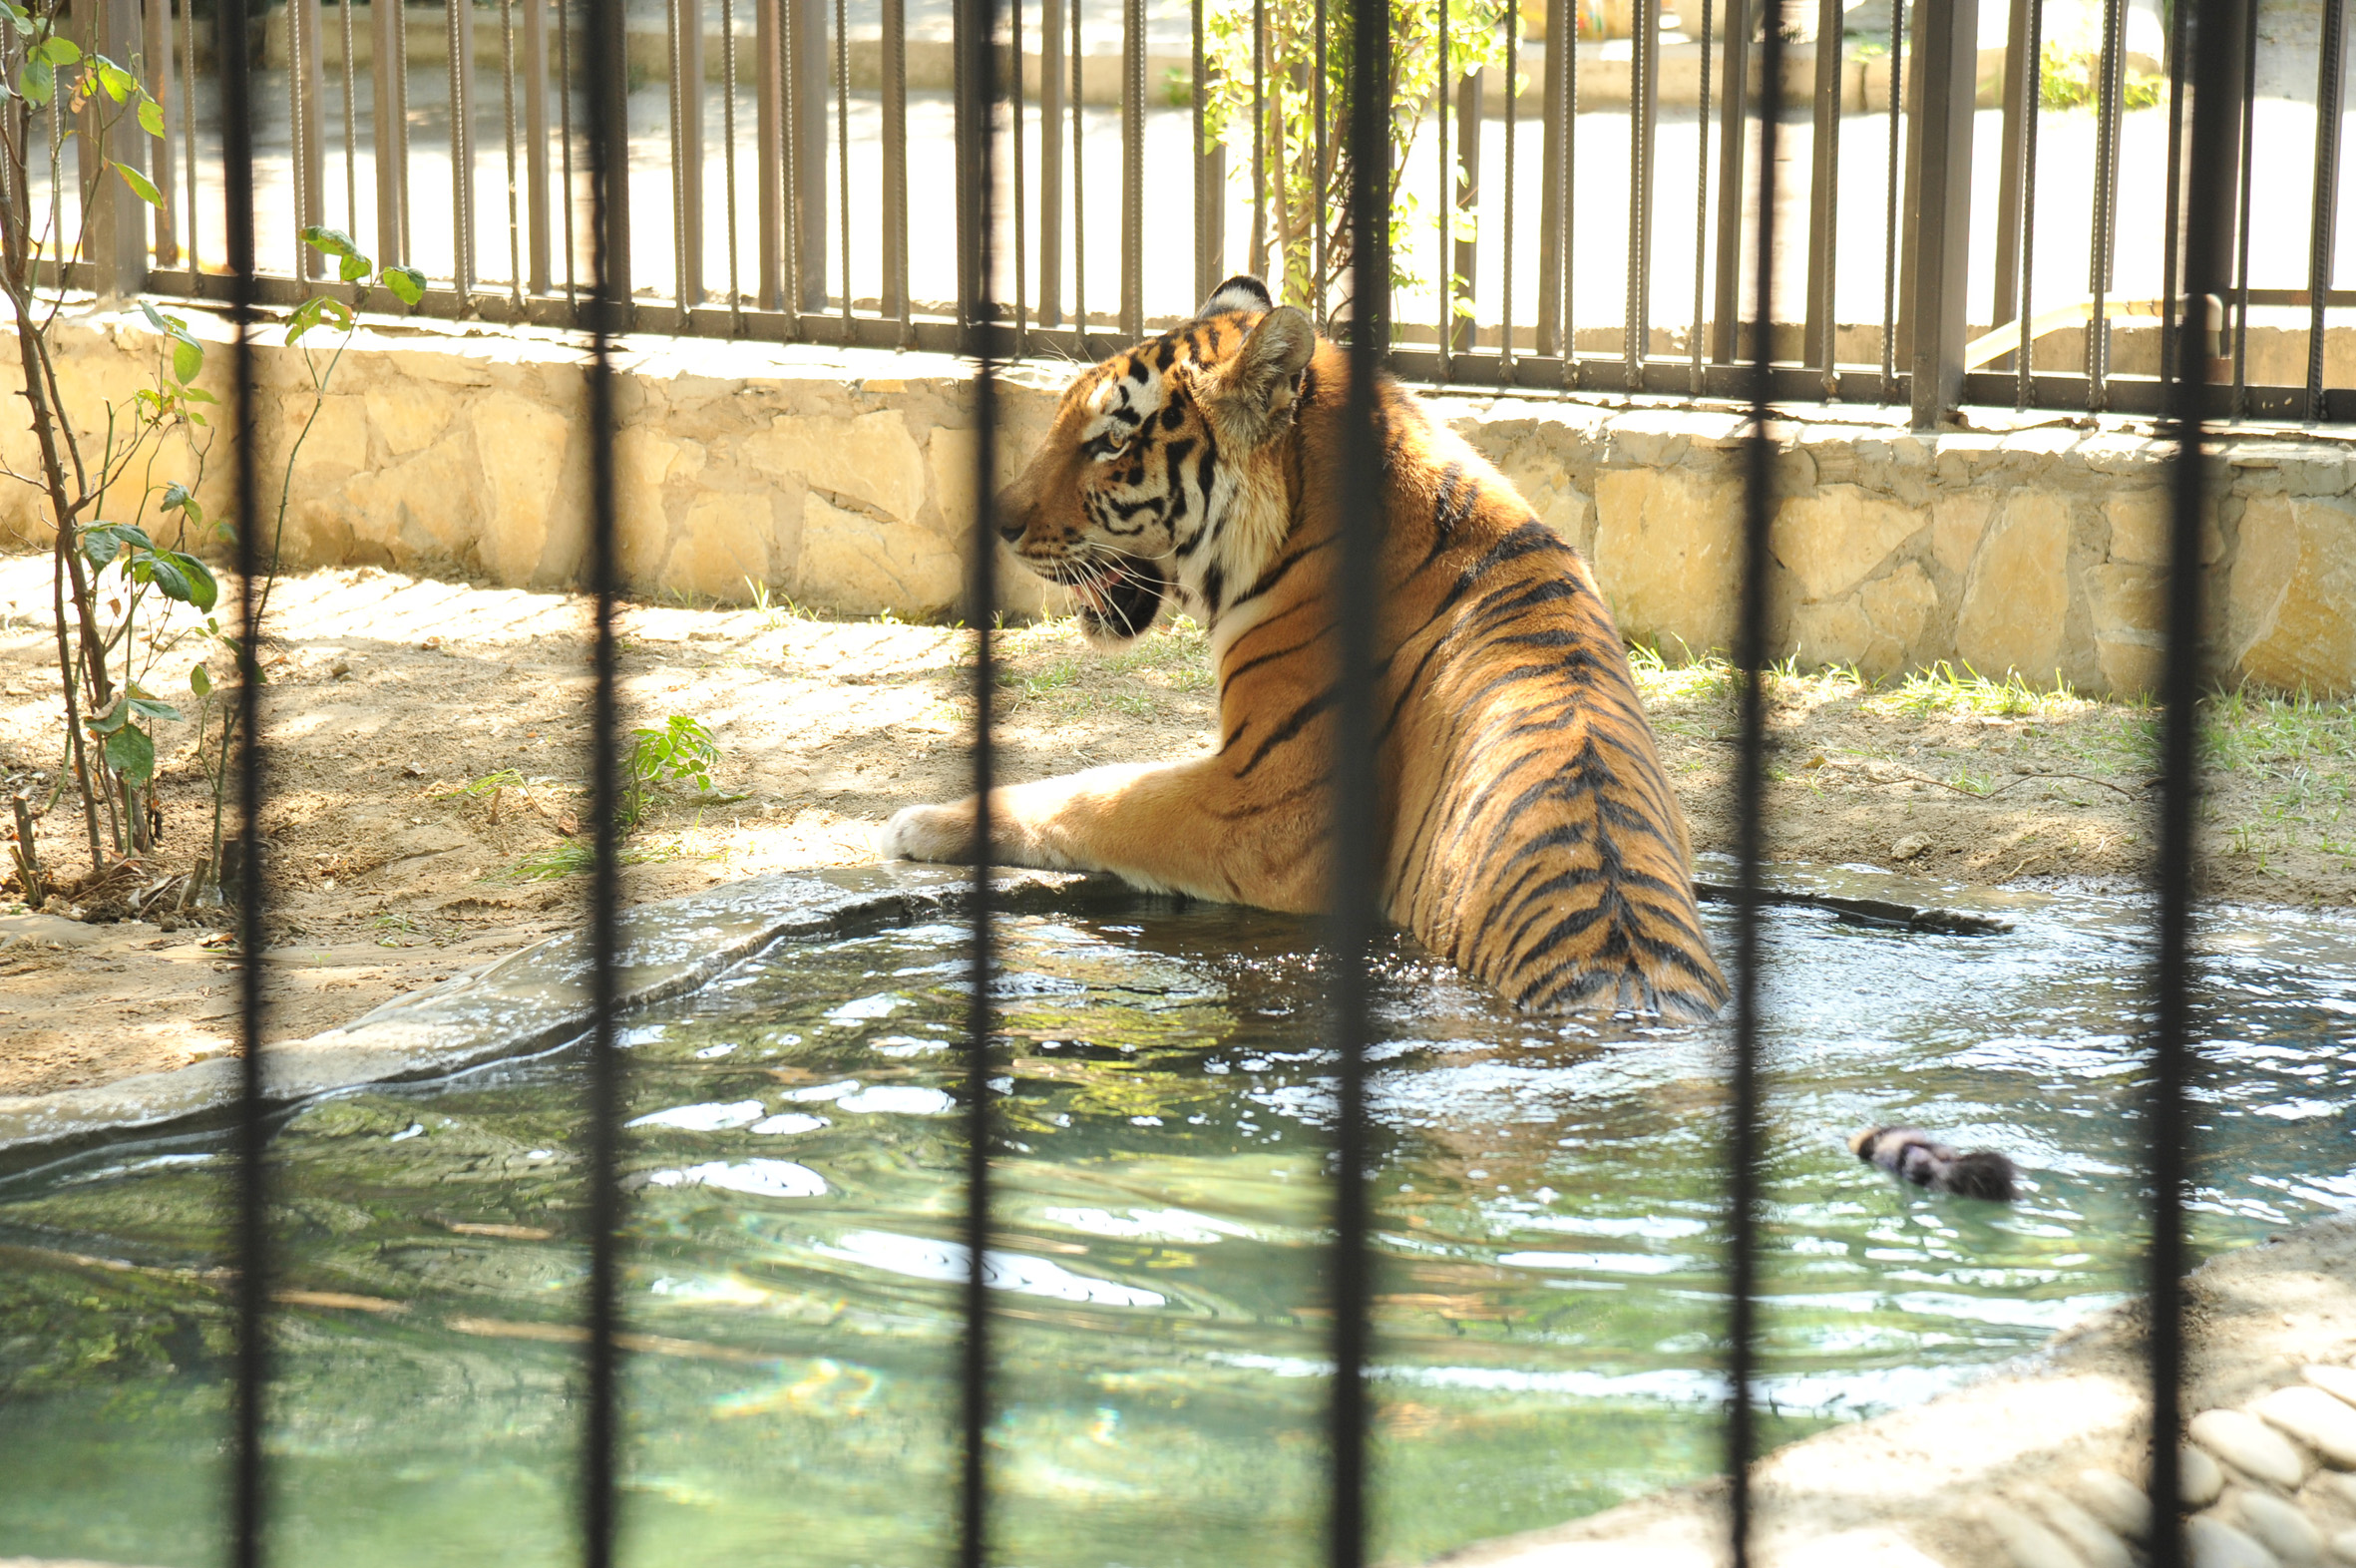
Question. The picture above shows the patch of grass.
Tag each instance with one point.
(488, 784)
(577, 856)
(1941, 690)
(776, 610)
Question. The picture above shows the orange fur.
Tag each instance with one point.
(1529, 832)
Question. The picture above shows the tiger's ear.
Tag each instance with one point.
(1249, 394)
(1240, 293)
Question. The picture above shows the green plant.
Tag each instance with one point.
(2069, 77)
(488, 784)
(1300, 190)
(774, 611)
(677, 752)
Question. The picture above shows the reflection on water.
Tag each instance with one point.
(1548, 1203)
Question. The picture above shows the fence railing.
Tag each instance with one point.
(1567, 211)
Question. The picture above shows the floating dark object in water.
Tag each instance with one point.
(1866, 911)
(1923, 1160)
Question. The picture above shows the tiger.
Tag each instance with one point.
(1527, 830)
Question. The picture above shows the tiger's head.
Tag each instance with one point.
(1155, 481)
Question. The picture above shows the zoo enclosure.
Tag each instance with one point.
(794, 177)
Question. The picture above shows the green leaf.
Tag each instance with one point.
(102, 542)
(36, 80)
(117, 83)
(161, 322)
(131, 753)
(110, 721)
(18, 18)
(405, 283)
(176, 496)
(141, 185)
(329, 242)
(352, 269)
(197, 395)
(56, 50)
(149, 707)
(201, 681)
(204, 592)
(165, 573)
(187, 359)
(150, 116)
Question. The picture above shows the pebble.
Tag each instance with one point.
(2343, 1546)
(2281, 1527)
(2031, 1545)
(1909, 847)
(2122, 1505)
(2249, 1446)
(2315, 1418)
(2095, 1546)
(2341, 1487)
(2212, 1543)
(2199, 1480)
(2336, 1381)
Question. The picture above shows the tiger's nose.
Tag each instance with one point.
(1013, 517)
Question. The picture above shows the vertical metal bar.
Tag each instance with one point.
(1447, 325)
(251, 1484)
(1726, 325)
(1357, 607)
(1746, 1146)
(2019, 104)
(686, 96)
(1259, 263)
(157, 19)
(806, 68)
(566, 86)
(1825, 198)
(2171, 226)
(1895, 192)
(462, 152)
(1696, 381)
(1568, 189)
(728, 160)
(1079, 230)
(1559, 14)
(769, 154)
(977, 69)
(117, 229)
(1506, 283)
(389, 105)
(2108, 107)
(2324, 225)
(1207, 205)
(352, 122)
(2217, 33)
(1052, 157)
(1320, 154)
(604, 43)
(1644, 121)
(895, 299)
(536, 130)
(2024, 372)
(843, 154)
(1464, 324)
(187, 135)
(2242, 228)
(1938, 206)
(1133, 169)
(507, 104)
(1021, 344)
(306, 90)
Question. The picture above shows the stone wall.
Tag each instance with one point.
(842, 479)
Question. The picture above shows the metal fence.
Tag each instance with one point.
(800, 171)
(2206, 182)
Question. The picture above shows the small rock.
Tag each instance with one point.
(340, 669)
(410, 770)
(2200, 1480)
(2249, 1446)
(2315, 1418)
(2093, 1542)
(2342, 1488)
(2116, 1501)
(1909, 847)
(2031, 1545)
(2280, 1527)
(2343, 1546)
(2339, 1381)
(2212, 1543)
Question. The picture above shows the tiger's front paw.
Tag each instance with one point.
(933, 833)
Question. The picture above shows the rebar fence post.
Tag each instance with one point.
(116, 226)
(307, 97)
(1824, 271)
(156, 42)
(1552, 187)
(2323, 226)
(389, 130)
(1937, 238)
(806, 75)
(1210, 175)
(1732, 110)
(1133, 169)
(1644, 122)
(462, 152)
(536, 133)
(686, 115)
(895, 299)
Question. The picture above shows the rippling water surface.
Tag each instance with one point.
(1548, 1204)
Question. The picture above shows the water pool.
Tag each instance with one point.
(1548, 1204)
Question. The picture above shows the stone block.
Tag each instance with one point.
(869, 457)
(421, 513)
(858, 562)
(2288, 605)
(723, 541)
(1874, 629)
(644, 463)
(1837, 538)
(336, 446)
(1668, 545)
(523, 450)
(2128, 598)
(409, 416)
(2017, 595)
(2139, 528)
(1957, 522)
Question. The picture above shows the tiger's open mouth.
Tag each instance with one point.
(1118, 603)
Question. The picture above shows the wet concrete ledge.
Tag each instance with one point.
(526, 1003)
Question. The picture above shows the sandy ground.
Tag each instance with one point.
(389, 697)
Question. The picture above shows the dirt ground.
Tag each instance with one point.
(425, 748)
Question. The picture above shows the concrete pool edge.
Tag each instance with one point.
(529, 1001)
